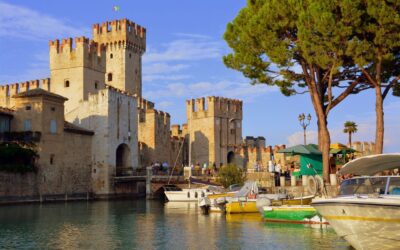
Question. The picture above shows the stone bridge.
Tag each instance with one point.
(154, 182)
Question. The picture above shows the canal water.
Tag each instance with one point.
(142, 224)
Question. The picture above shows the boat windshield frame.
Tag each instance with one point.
(370, 185)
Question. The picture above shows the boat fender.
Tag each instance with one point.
(320, 183)
(312, 185)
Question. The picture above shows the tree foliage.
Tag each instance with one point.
(231, 174)
(350, 127)
(14, 158)
(324, 47)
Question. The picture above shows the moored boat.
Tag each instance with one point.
(294, 214)
(241, 205)
(187, 194)
(367, 211)
(255, 205)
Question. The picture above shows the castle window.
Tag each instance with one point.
(96, 84)
(53, 109)
(27, 125)
(130, 55)
(52, 159)
(53, 126)
(109, 77)
(28, 107)
(111, 56)
(66, 83)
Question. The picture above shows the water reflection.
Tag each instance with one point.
(150, 225)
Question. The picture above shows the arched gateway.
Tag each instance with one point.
(230, 157)
(123, 159)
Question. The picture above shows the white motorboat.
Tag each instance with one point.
(174, 193)
(367, 211)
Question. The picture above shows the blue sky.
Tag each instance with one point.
(183, 61)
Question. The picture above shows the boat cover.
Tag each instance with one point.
(249, 186)
(372, 164)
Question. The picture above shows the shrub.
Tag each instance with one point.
(17, 159)
(231, 174)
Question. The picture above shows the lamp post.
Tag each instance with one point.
(304, 122)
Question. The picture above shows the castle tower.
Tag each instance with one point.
(125, 43)
(76, 69)
(215, 129)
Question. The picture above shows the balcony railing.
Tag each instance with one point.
(26, 136)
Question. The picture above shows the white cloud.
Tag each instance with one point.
(21, 22)
(366, 130)
(225, 88)
(162, 71)
(187, 49)
(157, 68)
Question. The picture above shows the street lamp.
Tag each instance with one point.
(304, 122)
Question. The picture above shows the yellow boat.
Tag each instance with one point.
(241, 206)
(245, 205)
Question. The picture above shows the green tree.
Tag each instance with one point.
(350, 128)
(300, 47)
(231, 174)
(374, 46)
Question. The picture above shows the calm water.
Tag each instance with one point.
(149, 225)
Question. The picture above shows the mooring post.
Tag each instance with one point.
(149, 173)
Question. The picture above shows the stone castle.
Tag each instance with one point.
(91, 124)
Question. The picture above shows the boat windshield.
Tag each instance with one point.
(364, 185)
(394, 185)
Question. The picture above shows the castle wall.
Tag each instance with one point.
(112, 115)
(215, 128)
(125, 43)
(154, 133)
(76, 69)
(178, 150)
(7, 91)
(63, 167)
(363, 148)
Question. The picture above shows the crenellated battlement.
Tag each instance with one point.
(255, 150)
(9, 90)
(159, 117)
(215, 106)
(178, 131)
(129, 34)
(67, 45)
(144, 104)
(119, 91)
(81, 52)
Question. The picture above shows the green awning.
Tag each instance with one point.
(310, 149)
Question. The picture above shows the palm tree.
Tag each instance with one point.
(350, 128)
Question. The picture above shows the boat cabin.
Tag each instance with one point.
(371, 185)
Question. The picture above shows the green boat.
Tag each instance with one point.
(295, 214)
